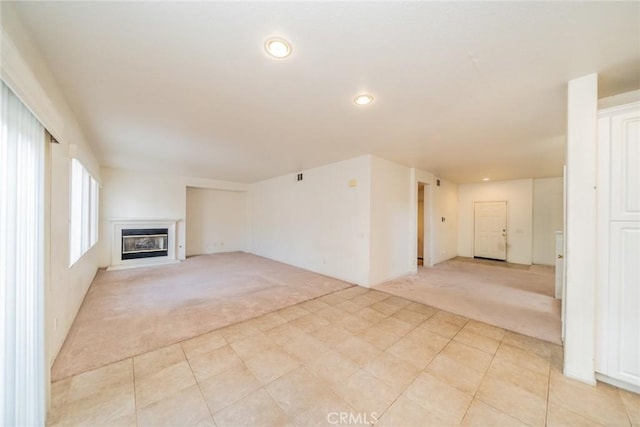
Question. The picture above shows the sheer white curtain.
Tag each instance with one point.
(22, 360)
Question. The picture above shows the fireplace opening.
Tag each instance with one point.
(145, 242)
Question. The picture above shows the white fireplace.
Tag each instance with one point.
(142, 242)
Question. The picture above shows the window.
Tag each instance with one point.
(84, 211)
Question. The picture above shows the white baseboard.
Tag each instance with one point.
(143, 264)
(617, 383)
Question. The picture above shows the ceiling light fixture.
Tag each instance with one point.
(363, 99)
(277, 47)
(486, 179)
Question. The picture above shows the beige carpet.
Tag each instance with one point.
(518, 299)
(129, 312)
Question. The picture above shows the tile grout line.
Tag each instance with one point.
(493, 407)
(135, 399)
(328, 384)
(546, 412)
(384, 351)
(227, 343)
(428, 363)
(473, 397)
(493, 356)
(213, 330)
(198, 382)
(624, 405)
(304, 363)
(450, 341)
(263, 386)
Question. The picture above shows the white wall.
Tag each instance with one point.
(364, 234)
(391, 210)
(580, 229)
(217, 221)
(519, 197)
(145, 195)
(444, 234)
(67, 286)
(320, 223)
(547, 218)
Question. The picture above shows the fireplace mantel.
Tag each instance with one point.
(119, 224)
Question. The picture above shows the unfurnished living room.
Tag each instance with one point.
(320, 213)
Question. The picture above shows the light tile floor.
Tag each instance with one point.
(353, 357)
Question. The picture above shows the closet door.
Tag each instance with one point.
(624, 302)
(618, 320)
(625, 167)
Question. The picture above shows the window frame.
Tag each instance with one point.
(84, 197)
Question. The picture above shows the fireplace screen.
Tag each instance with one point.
(144, 242)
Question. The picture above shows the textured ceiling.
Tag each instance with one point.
(464, 90)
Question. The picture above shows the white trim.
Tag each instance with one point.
(18, 76)
(147, 263)
(617, 109)
(618, 383)
(602, 247)
(578, 377)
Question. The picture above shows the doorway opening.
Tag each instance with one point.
(423, 221)
(490, 230)
(216, 221)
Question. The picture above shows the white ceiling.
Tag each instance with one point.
(465, 90)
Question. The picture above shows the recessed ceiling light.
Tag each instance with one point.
(278, 48)
(486, 179)
(363, 99)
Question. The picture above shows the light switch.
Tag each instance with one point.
(353, 183)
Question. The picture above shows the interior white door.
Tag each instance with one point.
(618, 314)
(624, 302)
(490, 230)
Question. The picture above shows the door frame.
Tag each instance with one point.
(506, 219)
(427, 255)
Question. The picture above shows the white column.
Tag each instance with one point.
(580, 238)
